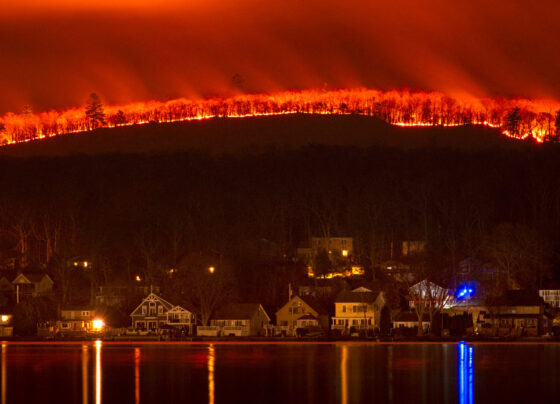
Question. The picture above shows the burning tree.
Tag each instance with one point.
(556, 136)
(513, 121)
(95, 115)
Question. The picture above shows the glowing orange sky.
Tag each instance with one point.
(54, 53)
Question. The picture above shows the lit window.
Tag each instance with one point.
(345, 253)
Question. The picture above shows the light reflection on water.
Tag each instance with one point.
(466, 374)
(4, 374)
(136, 375)
(282, 373)
(85, 375)
(211, 358)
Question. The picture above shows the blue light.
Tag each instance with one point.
(464, 290)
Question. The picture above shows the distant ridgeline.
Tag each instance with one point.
(516, 118)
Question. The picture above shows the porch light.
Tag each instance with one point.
(98, 324)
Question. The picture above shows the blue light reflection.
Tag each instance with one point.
(466, 374)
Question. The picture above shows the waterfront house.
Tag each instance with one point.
(237, 319)
(407, 319)
(358, 310)
(516, 313)
(6, 329)
(78, 321)
(182, 318)
(301, 312)
(550, 293)
(151, 314)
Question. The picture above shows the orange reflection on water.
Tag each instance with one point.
(4, 377)
(98, 372)
(137, 375)
(211, 359)
(85, 376)
(344, 375)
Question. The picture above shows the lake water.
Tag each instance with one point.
(280, 373)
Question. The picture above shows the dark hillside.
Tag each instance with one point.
(259, 134)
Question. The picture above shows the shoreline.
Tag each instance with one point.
(248, 341)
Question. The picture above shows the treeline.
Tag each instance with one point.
(518, 118)
(144, 215)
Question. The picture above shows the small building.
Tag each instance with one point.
(151, 314)
(182, 319)
(301, 312)
(237, 319)
(79, 321)
(413, 247)
(6, 329)
(359, 309)
(551, 295)
(32, 284)
(340, 251)
(407, 319)
(516, 313)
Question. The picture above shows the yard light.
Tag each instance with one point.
(98, 324)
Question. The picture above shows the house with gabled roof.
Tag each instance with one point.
(151, 314)
(32, 284)
(301, 312)
(182, 318)
(359, 309)
(237, 319)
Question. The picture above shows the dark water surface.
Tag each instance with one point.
(280, 373)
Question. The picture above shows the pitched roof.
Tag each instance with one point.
(356, 297)
(152, 297)
(308, 316)
(32, 277)
(315, 305)
(237, 311)
(180, 309)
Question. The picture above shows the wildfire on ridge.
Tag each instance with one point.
(517, 118)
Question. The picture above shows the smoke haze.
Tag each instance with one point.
(53, 55)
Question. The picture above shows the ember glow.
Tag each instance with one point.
(536, 119)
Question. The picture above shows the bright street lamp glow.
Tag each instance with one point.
(98, 324)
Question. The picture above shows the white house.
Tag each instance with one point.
(551, 296)
(155, 313)
(151, 314)
(182, 318)
(237, 319)
(359, 309)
